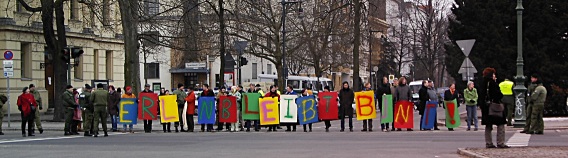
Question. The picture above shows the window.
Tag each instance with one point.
(20, 8)
(96, 65)
(269, 69)
(109, 65)
(26, 61)
(74, 7)
(151, 7)
(152, 70)
(190, 79)
(106, 12)
(79, 68)
(254, 71)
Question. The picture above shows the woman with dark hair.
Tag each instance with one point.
(273, 93)
(166, 127)
(402, 92)
(27, 106)
(346, 98)
(450, 95)
(384, 89)
(489, 92)
(112, 106)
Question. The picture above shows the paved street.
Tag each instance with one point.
(262, 144)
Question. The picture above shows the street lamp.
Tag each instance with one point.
(520, 89)
(284, 67)
(371, 51)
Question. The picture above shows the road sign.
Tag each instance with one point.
(8, 55)
(467, 65)
(466, 45)
(8, 66)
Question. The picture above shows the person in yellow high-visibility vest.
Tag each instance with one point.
(508, 99)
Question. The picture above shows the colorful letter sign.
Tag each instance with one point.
(269, 111)
(452, 114)
(206, 110)
(403, 114)
(148, 106)
(365, 104)
(307, 112)
(168, 109)
(228, 109)
(128, 111)
(386, 109)
(288, 109)
(327, 106)
(429, 119)
(250, 106)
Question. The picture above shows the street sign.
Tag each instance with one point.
(8, 68)
(391, 78)
(466, 45)
(8, 55)
(467, 65)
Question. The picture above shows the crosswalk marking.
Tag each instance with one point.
(519, 139)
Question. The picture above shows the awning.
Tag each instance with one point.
(177, 71)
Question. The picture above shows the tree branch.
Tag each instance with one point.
(28, 8)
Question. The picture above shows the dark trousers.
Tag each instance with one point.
(309, 126)
(384, 125)
(148, 126)
(74, 125)
(180, 122)
(256, 125)
(167, 127)
(327, 124)
(209, 127)
(350, 122)
(29, 121)
(190, 123)
(220, 126)
(290, 126)
(272, 127)
(368, 122)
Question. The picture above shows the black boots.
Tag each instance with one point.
(177, 131)
(87, 134)
(67, 133)
(40, 131)
(106, 134)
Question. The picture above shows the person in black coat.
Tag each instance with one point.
(450, 95)
(489, 92)
(346, 97)
(423, 97)
(384, 89)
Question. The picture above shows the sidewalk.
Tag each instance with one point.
(520, 152)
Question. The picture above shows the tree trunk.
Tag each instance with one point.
(222, 44)
(129, 15)
(356, 44)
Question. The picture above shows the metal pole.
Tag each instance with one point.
(370, 53)
(240, 66)
(466, 69)
(284, 41)
(8, 96)
(69, 72)
(520, 89)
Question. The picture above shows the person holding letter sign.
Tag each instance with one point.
(368, 122)
(290, 91)
(207, 93)
(326, 121)
(403, 92)
(383, 90)
(450, 95)
(273, 93)
(128, 94)
(166, 127)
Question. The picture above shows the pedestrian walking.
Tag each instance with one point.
(273, 93)
(27, 106)
(147, 123)
(37, 97)
(166, 127)
(346, 98)
(207, 93)
(403, 92)
(508, 100)
(99, 99)
(368, 123)
(490, 93)
(112, 107)
(128, 94)
(423, 97)
(383, 90)
(190, 100)
(450, 95)
(70, 105)
(537, 99)
(470, 96)
(88, 110)
(180, 99)
(3, 100)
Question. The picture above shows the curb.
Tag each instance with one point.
(466, 153)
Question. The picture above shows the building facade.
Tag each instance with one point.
(96, 31)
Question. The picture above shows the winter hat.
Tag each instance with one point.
(87, 86)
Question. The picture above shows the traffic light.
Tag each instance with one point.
(76, 52)
(244, 61)
(66, 56)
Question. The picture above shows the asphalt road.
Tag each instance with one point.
(261, 144)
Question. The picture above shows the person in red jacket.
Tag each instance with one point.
(273, 93)
(190, 100)
(27, 106)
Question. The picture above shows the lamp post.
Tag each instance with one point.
(371, 52)
(520, 89)
(284, 66)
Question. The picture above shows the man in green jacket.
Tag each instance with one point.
(470, 96)
(537, 99)
(37, 97)
(69, 104)
(88, 109)
(180, 99)
(535, 82)
(99, 99)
